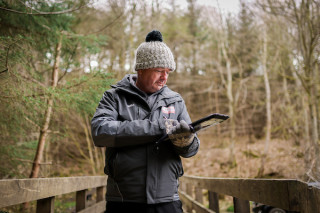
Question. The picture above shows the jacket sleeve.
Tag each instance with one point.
(193, 148)
(109, 132)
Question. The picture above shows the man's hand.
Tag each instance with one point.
(179, 132)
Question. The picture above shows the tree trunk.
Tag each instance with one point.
(216, 99)
(268, 104)
(232, 159)
(315, 163)
(44, 129)
(89, 144)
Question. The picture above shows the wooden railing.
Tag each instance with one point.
(44, 190)
(291, 195)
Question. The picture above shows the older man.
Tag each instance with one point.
(130, 118)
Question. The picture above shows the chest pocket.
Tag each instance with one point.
(130, 110)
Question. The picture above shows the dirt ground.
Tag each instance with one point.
(284, 159)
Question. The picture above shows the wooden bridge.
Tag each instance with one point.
(291, 195)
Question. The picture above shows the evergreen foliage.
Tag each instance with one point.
(30, 42)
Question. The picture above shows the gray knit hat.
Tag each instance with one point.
(154, 53)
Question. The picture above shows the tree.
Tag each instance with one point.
(264, 58)
(304, 16)
(43, 76)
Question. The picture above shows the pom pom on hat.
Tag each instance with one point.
(154, 53)
(154, 35)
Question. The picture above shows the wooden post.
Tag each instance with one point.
(241, 206)
(182, 186)
(100, 194)
(213, 201)
(307, 195)
(81, 200)
(199, 195)
(45, 205)
(188, 188)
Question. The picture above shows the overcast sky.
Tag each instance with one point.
(226, 6)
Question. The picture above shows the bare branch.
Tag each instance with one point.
(30, 161)
(43, 13)
(108, 25)
(7, 56)
(68, 66)
(32, 122)
(33, 80)
(5, 70)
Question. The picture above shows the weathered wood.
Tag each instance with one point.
(241, 206)
(190, 204)
(198, 194)
(270, 192)
(182, 186)
(189, 189)
(97, 208)
(213, 201)
(45, 205)
(290, 195)
(306, 197)
(81, 200)
(16, 191)
(100, 194)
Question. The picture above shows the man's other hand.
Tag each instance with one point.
(179, 132)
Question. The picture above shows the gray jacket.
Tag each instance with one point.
(129, 122)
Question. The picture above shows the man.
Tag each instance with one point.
(130, 118)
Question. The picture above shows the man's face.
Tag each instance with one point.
(153, 79)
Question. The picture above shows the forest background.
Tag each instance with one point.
(259, 66)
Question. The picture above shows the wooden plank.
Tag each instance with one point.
(305, 196)
(213, 201)
(198, 194)
(45, 205)
(100, 194)
(182, 186)
(189, 189)
(16, 191)
(189, 203)
(81, 200)
(270, 192)
(97, 208)
(241, 206)
(314, 197)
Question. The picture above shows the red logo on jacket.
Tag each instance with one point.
(167, 110)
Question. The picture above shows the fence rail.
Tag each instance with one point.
(291, 195)
(44, 190)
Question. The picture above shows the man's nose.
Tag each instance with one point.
(164, 75)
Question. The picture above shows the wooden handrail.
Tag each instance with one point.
(291, 195)
(44, 190)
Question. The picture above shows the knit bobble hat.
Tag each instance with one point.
(154, 53)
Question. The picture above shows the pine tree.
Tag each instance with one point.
(43, 77)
